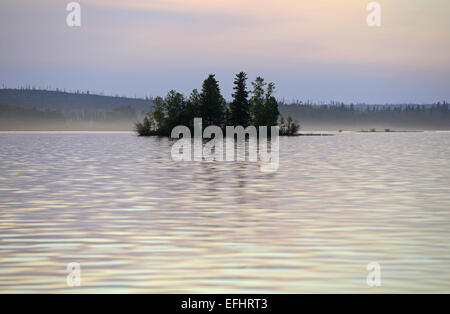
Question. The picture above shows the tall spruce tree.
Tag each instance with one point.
(271, 107)
(212, 104)
(257, 102)
(240, 107)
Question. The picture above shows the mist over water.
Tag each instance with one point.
(137, 221)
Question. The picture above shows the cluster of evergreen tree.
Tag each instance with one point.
(261, 109)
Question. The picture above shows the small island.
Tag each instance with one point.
(261, 109)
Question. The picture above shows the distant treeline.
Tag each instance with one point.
(70, 102)
(8, 112)
(33, 109)
(337, 116)
(13, 118)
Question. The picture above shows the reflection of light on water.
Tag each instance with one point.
(134, 209)
(138, 222)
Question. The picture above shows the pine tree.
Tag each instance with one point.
(212, 103)
(271, 107)
(240, 107)
(257, 102)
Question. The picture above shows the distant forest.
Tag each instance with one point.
(14, 118)
(339, 116)
(31, 109)
(34, 109)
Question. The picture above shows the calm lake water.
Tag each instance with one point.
(136, 221)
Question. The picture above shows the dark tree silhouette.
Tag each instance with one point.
(212, 104)
(240, 106)
(257, 102)
(145, 128)
(192, 109)
(175, 109)
(167, 114)
(288, 127)
(159, 115)
(271, 107)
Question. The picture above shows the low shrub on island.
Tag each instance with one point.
(261, 109)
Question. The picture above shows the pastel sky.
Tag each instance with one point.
(317, 50)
